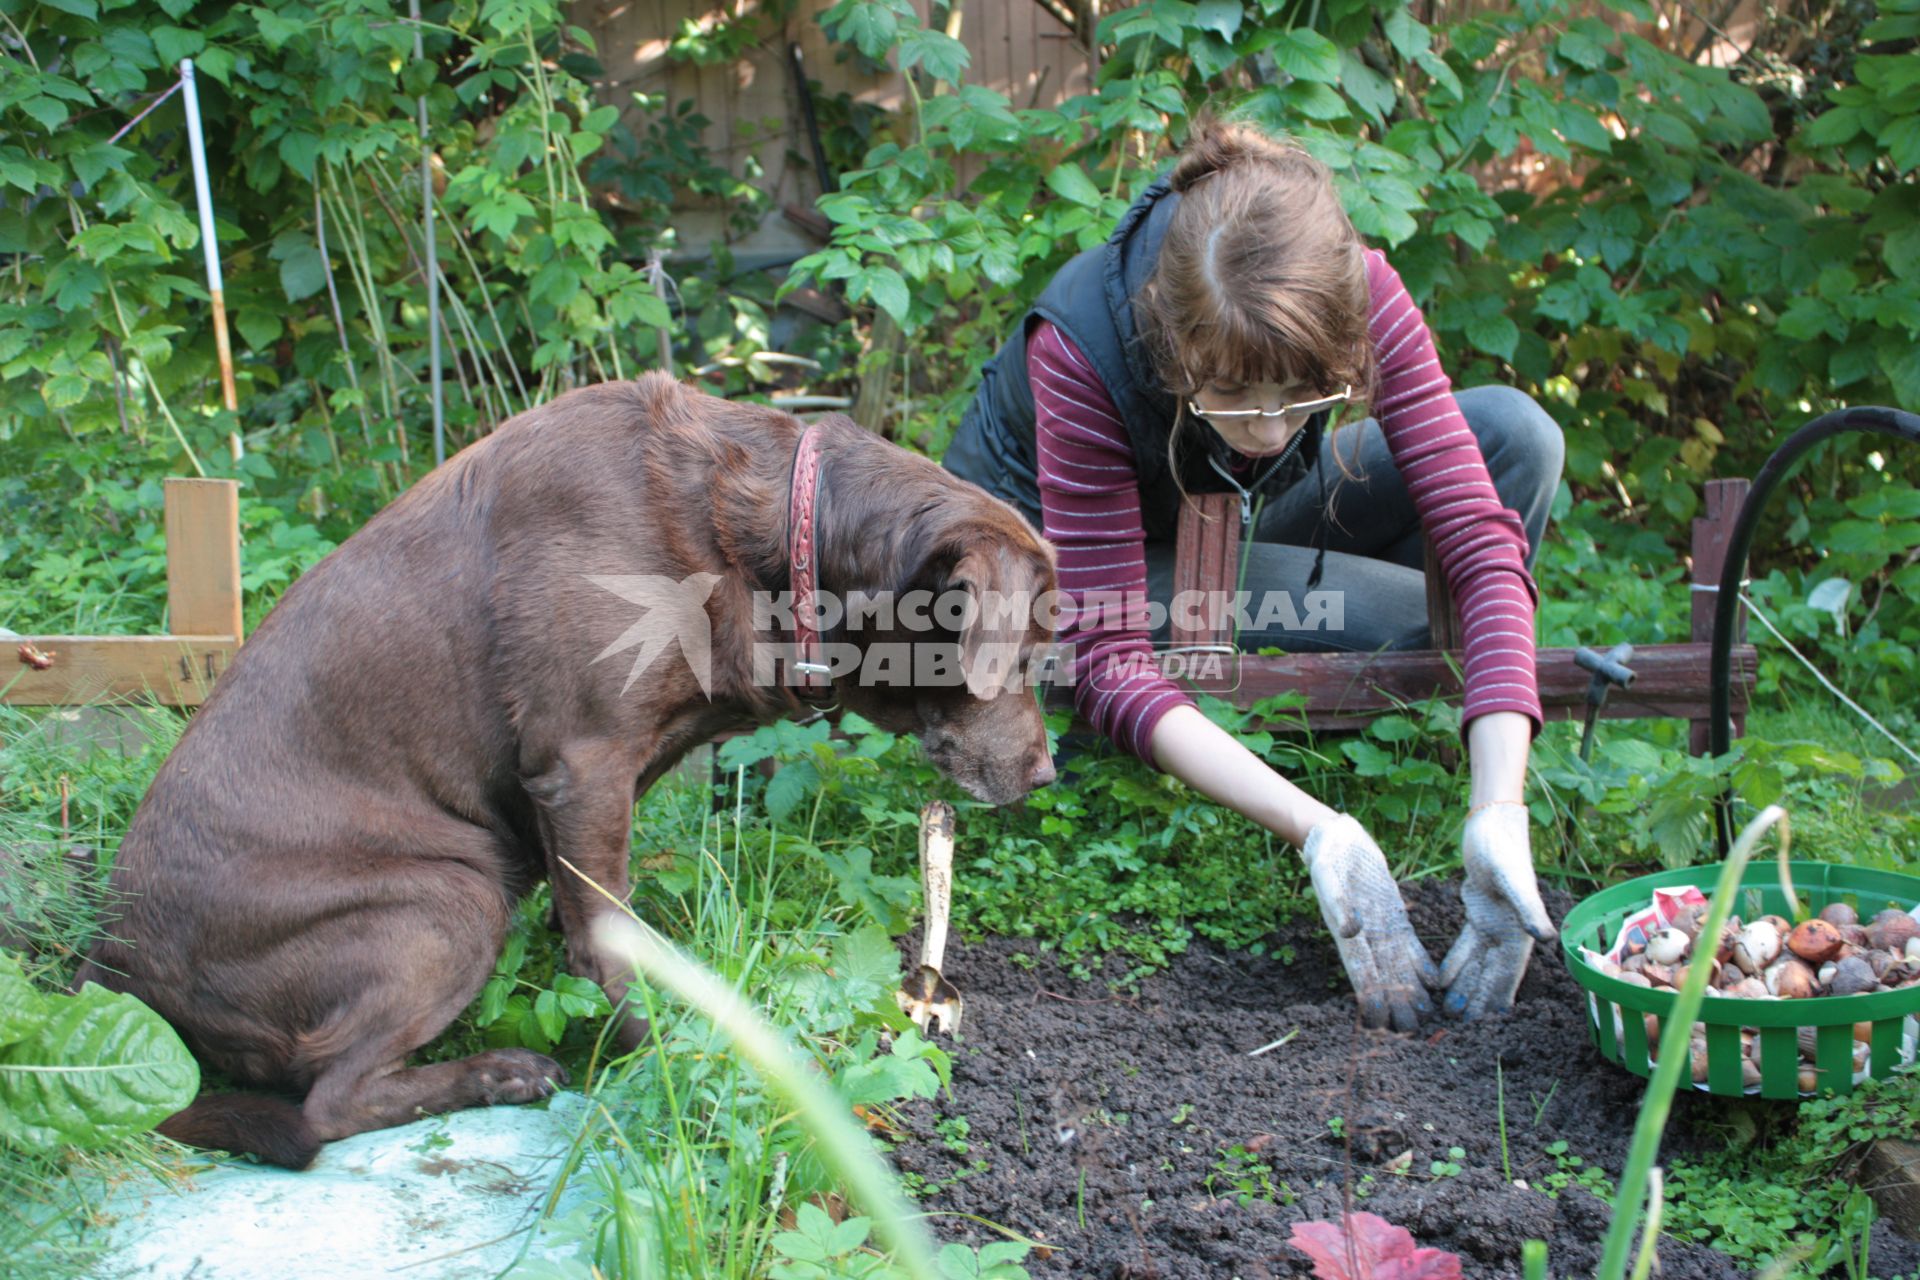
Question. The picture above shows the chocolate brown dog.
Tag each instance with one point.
(453, 702)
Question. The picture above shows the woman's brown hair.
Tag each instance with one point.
(1261, 277)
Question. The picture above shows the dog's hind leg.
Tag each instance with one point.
(426, 964)
(359, 1094)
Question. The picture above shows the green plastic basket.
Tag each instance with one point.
(1615, 1008)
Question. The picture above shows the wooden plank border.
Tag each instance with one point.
(1346, 690)
(203, 613)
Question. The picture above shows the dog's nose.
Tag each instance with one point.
(1042, 774)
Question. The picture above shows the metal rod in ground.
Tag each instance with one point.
(433, 263)
(203, 195)
(657, 278)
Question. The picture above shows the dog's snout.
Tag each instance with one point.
(1042, 773)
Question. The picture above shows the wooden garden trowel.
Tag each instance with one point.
(928, 997)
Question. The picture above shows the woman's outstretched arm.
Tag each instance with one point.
(1213, 762)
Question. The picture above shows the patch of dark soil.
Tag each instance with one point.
(1105, 1125)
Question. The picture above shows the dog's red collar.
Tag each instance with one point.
(809, 666)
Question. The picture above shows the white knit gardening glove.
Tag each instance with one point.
(1388, 966)
(1504, 914)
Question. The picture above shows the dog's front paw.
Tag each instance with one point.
(516, 1075)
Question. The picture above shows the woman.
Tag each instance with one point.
(1204, 347)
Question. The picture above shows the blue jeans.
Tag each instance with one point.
(1375, 545)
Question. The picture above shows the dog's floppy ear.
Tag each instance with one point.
(995, 623)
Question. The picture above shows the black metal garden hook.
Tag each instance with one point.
(1609, 670)
(1868, 419)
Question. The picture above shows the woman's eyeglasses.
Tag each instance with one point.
(1304, 409)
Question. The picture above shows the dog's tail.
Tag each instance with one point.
(254, 1124)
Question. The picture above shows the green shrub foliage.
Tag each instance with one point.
(1682, 260)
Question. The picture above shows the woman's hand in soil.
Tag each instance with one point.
(1504, 914)
(1388, 965)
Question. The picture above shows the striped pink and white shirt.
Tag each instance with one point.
(1090, 508)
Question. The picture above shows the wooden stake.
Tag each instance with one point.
(203, 557)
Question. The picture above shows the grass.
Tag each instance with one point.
(689, 1161)
(44, 1203)
(49, 1203)
(1500, 1101)
(838, 1137)
(690, 1165)
(688, 1157)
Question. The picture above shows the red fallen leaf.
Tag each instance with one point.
(1367, 1247)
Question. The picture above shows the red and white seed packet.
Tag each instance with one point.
(1668, 906)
